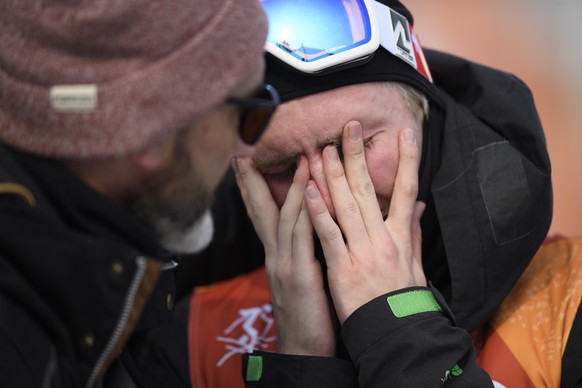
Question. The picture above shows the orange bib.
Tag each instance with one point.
(227, 319)
(527, 336)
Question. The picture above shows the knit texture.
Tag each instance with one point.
(157, 65)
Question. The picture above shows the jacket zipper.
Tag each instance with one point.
(125, 312)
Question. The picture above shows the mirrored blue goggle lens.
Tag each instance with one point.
(314, 29)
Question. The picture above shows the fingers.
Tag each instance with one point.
(403, 200)
(417, 243)
(258, 201)
(347, 209)
(303, 240)
(327, 230)
(359, 181)
(405, 211)
(292, 208)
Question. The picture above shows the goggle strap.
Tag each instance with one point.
(422, 66)
(398, 37)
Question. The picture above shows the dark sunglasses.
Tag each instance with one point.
(256, 111)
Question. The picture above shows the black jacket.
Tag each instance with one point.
(490, 200)
(81, 283)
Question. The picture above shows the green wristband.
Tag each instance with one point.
(413, 302)
(254, 368)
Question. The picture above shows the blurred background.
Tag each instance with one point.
(539, 42)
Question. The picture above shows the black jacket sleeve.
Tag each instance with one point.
(406, 338)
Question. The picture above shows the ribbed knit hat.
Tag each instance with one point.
(101, 78)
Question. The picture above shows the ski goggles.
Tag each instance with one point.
(256, 112)
(320, 36)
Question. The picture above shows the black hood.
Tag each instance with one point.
(492, 190)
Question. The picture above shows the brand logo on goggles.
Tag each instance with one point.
(398, 37)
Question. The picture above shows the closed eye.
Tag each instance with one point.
(368, 143)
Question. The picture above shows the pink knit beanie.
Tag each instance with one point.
(89, 78)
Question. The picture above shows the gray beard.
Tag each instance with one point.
(186, 240)
(179, 228)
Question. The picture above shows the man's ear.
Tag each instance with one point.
(155, 155)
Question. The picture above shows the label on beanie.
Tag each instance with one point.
(74, 98)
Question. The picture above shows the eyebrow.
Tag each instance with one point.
(336, 140)
(277, 161)
(292, 157)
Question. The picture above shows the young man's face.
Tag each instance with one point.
(305, 125)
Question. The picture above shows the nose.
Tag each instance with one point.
(318, 176)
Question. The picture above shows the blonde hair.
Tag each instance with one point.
(415, 100)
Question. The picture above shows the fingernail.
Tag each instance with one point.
(234, 164)
(311, 191)
(409, 136)
(355, 131)
(332, 153)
